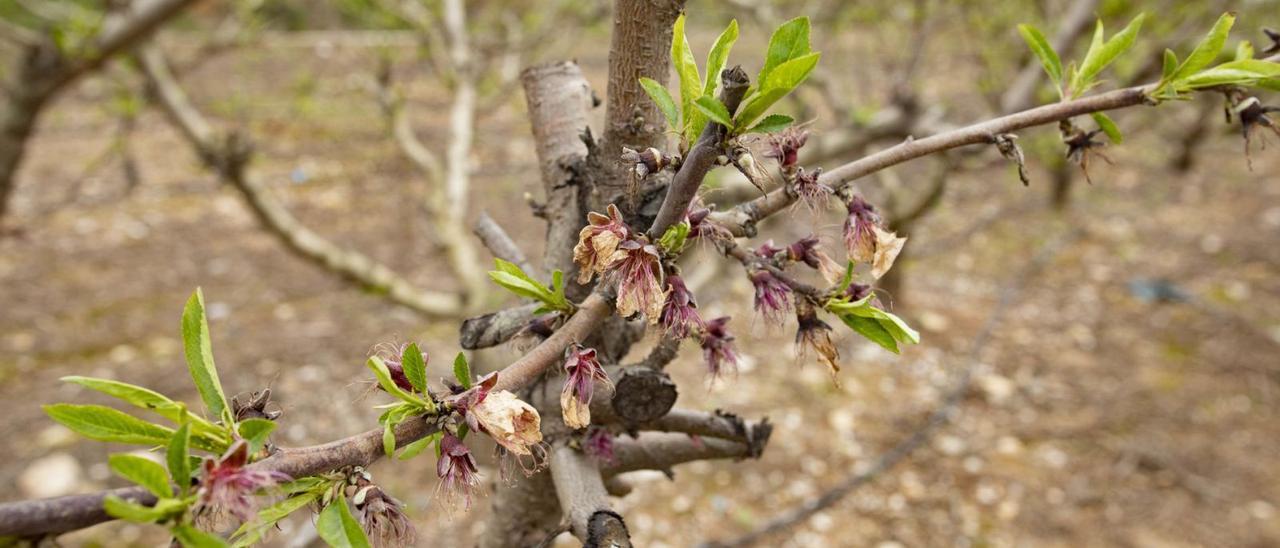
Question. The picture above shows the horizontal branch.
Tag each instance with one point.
(741, 219)
(663, 450)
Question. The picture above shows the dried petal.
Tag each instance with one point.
(888, 246)
(511, 422)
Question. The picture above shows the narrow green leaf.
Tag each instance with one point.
(789, 41)
(1101, 54)
(101, 423)
(1244, 50)
(413, 449)
(251, 532)
(1208, 48)
(1260, 68)
(137, 396)
(415, 368)
(339, 528)
(715, 110)
(772, 123)
(1040, 46)
(522, 286)
(782, 81)
(1222, 76)
(686, 68)
(256, 432)
(199, 352)
(142, 471)
(383, 375)
(1108, 126)
(718, 56)
(1170, 66)
(872, 330)
(389, 438)
(662, 98)
(190, 537)
(462, 370)
(177, 457)
(119, 508)
(673, 240)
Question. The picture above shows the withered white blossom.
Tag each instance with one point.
(867, 241)
(511, 422)
(597, 247)
(639, 276)
(583, 371)
(814, 337)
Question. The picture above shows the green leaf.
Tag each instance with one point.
(413, 449)
(772, 123)
(718, 56)
(384, 380)
(1170, 66)
(790, 41)
(686, 68)
(715, 110)
(872, 330)
(521, 286)
(662, 98)
(119, 508)
(137, 396)
(1208, 48)
(256, 431)
(1040, 46)
(462, 370)
(338, 528)
(1102, 53)
(101, 423)
(251, 532)
(1260, 68)
(142, 471)
(177, 457)
(1233, 73)
(1244, 50)
(1108, 126)
(673, 240)
(389, 438)
(190, 537)
(415, 368)
(897, 328)
(782, 81)
(199, 352)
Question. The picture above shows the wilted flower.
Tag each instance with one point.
(856, 292)
(814, 336)
(464, 401)
(597, 247)
(1253, 115)
(1081, 147)
(808, 251)
(717, 346)
(702, 227)
(599, 443)
(773, 297)
(456, 468)
(809, 190)
(381, 516)
(680, 313)
(228, 486)
(583, 372)
(767, 250)
(785, 145)
(639, 276)
(512, 423)
(866, 241)
(392, 355)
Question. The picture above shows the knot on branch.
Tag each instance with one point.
(606, 529)
(1007, 144)
(643, 394)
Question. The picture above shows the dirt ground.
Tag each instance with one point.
(1095, 418)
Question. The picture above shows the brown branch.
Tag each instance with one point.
(702, 156)
(495, 328)
(228, 158)
(662, 450)
(741, 220)
(498, 242)
(584, 499)
(719, 424)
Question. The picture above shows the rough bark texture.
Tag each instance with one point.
(640, 47)
(559, 98)
(643, 394)
(584, 500)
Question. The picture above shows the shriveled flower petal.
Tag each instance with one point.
(717, 346)
(576, 414)
(583, 370)
(511, 422)
(888, 246)
(859, 230)
(773, 297)
(382, 516)
(814, 337)
(456, 468)
(639, 276)
(229, 487)
(680, 313)
(598, 242)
